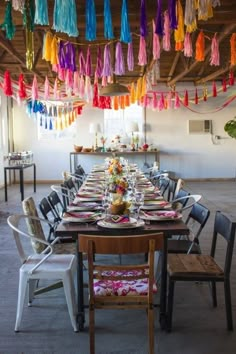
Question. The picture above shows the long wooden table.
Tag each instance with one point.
(168, 228)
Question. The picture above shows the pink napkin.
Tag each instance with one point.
(167, 214)
(118, 219)
(78, 215)
(84, 204)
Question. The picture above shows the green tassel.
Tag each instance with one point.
(8, 25)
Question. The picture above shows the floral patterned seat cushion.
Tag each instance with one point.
(127, 287)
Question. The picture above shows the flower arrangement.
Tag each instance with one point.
(118, 184)
(115, 167)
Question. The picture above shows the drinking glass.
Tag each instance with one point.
(106, 202)
(139, 201)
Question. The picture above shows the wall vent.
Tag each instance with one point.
(199, 126)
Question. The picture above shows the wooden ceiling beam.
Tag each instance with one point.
(226, 32)
(214, 75)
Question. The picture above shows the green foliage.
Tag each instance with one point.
(230, 128)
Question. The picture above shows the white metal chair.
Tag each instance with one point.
(185, 202)
(42, 266)
(68, 195)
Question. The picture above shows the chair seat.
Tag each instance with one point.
(53, 266)
(121, 287)
(189, 265)
(182, 246)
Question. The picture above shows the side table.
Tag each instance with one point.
(21, 169)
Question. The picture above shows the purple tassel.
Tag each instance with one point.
(107, 67)
(88, 65)
(172, 14)
(159, 19)
(119, 65)
(61, 55)
(81, 63)
(130, 57)
(99, 65)
(70, 57)
(143, 19)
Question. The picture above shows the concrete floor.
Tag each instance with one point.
(46, 328)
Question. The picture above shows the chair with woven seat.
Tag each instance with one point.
(45, 265)
(204, 268)
(121, 286)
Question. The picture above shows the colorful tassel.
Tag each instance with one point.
(88, 65)
(190, 13)
(81, 87)
(18, 5)
(130, 57)
(99, 65)
(172, 14)
(196, 96)
(166, 37)
(142, 55)
(119, 60)
(81, 63)
(186, 98)
(215, 55)
(76, 83)
(125, 35)
(158, 20)
(46, 89)
(65, 17)
(204, 10)
(95, 95)
(177, 101)
(34, 89)
(7, 85)
(132, 93)
(107, 66)
(179, 31)
(91, 24)
(22, 89)
(154, 101)
(233, 49)
(188, 48)
(205, 94)
(8, 25)
(200, 47)
(47, 41)
(54, 51)
(224, 85)
(156, 48)
(41, 12)
(108, 29)
(143, 19)
(231, 78)
(214, 90)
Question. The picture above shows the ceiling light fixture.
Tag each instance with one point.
(114, 89)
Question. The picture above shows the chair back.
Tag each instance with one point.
(163, 185)
(49, 213)
(200, 214)
(56, 204)
(225, 227)
(67, 194)
(34, 225)
(185, 202)
(171, 189)
(179, 185)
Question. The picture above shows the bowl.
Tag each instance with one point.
(87, 149)
(78, 148)
(118, 209)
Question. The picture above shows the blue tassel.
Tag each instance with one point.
(41, 12)
(41, 120)
(50, 125)
(65, 17)
(91, 22)
(125, 29)
(46, 123)
(108, 29)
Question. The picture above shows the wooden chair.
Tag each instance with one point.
(103, 279)
(204, 268)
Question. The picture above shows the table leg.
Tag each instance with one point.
(34, 178)
(80, 292)
(5, 183)
(22, 183)
(163, 291)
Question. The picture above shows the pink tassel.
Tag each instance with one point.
(81, 86)
(168, 100)
(104, 81)
(76, 83)
(154, 100)
(166, 37)
(46, 89)
(55, 90)
(215, 55)
(142, 55)
(88, 90)
(161, 103)
(61, 74)
(69, 80)
(156, 48)
(34, 90)
(188, 47)
(177, 101)
(81, 63)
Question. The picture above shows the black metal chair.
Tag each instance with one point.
(196, 220)
(204, 268)
(49, 214)
(56, 204)
(171, 189)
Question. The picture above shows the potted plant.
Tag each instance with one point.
(230, 128)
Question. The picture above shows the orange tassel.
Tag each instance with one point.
(233, 49)
(54, 50)
(200, 47)
(127, 101)
(132, 93)
(116, 103)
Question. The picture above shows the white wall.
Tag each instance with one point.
(189, 156)
(3, 135)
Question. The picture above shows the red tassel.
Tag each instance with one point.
(7, 87)
(224, 87)
(214, 91)
(231, 78)
(205, 94)
(22, 90)
(196, 97)
(95, 95)
(186, 98)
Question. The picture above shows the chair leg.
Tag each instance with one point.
(32, 287)
(213, 293)
(69, 289)
(228, 305)
(91, 329)
(23, 279)
(170, 304)
(151, 330)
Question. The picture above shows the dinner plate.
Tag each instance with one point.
(156, 204)
(160, 215)
(87, 199)
(84, 206)
(137, 223)
(87, 216)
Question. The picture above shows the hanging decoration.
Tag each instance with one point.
(8, 25)
(46, 89)
(28, 20)
(7, 85)
(81, 63)
(158, 20)
(91, 24)
(215, 55)
(18, 5)
(196, 97)
(186, 98)
(166, 37)
(190, 16)
(231, 78)
(107, 66)
(65, 17)
(214, 90)
(41, 12)
(172, 13)
(142, 55)
(233, 49)
(34, 89)
(119, 60)
(130, 57)
(200, 47)
(125, 35)
(143, 19)
(188, 48)
(47, 41)
(205, 94)
(204, 10)
(99, 66)
(88, 64)
(108, 28)
(179, 31)
(156, 48)
(22, 89)
(224, 86)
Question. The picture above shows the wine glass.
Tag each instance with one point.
(139, 201)
(106, 201)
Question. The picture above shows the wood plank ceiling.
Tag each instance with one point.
(174, 66)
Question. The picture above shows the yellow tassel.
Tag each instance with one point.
(179, 32)
(47, 46)
(139, 89)
(144, 86)
(54, 49)
(132, 93)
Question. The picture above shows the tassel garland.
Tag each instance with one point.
(7, 85)
(125, 35)
(108, 29)
(143, 19)
(215, 55)
(41, 12)
(91, 24)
